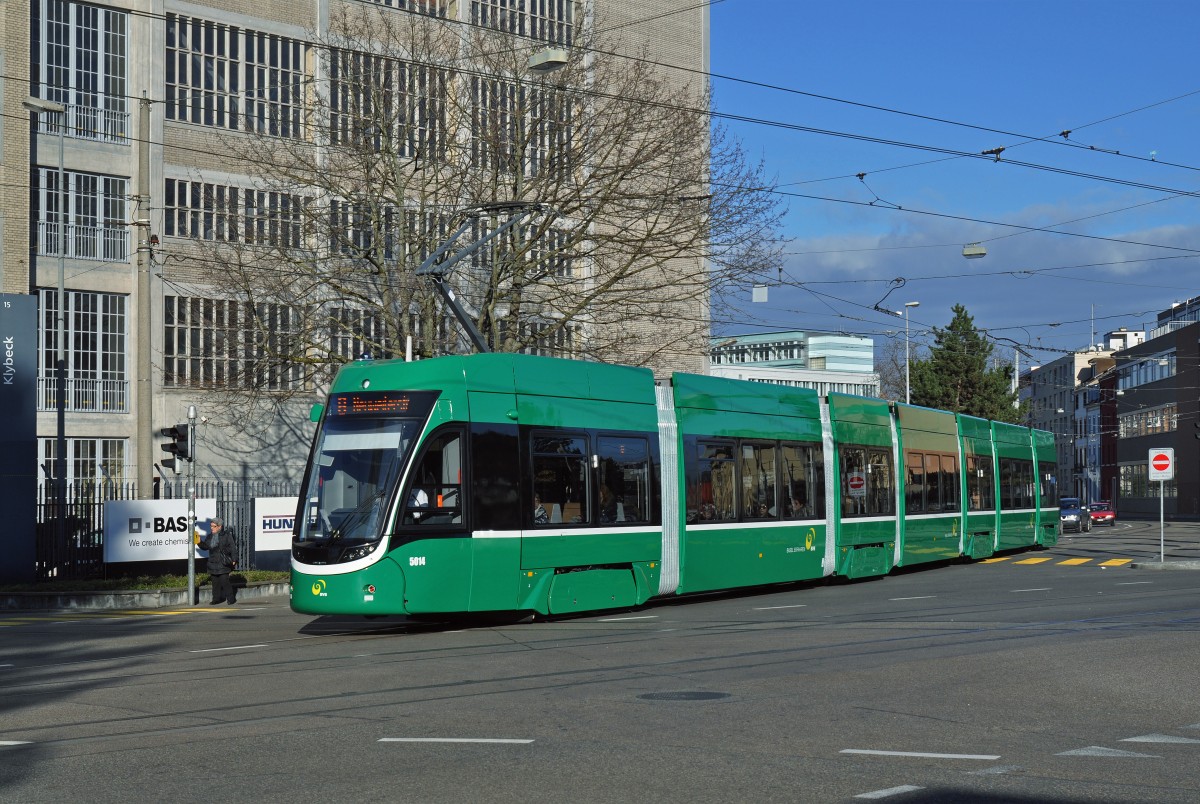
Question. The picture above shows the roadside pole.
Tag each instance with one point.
(191, 528)
(1161, 527)
(1162, 469)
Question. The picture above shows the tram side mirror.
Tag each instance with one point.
(314, 413)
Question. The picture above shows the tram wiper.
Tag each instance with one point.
(360, 514)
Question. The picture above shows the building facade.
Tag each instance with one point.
(124, 126)
(825, 362)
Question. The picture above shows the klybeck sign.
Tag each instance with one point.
(1162, 464)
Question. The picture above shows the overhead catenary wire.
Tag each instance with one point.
(1041, 229)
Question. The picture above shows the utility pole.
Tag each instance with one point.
(143, 395)
(191, 528)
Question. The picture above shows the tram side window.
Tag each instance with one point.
(710, 487)
(803, 481)
(951, 483)
(624, 479)
(435, 493)
(1016, 483)
(758, 481)
(881, 483)
(868, 482)
(914, 483)
(560, 477)
(1049, 487)
(981, 483)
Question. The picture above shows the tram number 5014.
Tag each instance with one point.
(416, 561)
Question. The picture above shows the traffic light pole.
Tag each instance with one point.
(191, 481)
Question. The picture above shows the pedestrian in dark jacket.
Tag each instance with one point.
(221, 560)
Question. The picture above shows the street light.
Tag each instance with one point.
(907, 359)
(40, 106)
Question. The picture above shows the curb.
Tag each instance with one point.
(148, 599)
(1192, 564)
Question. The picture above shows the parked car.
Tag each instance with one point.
(1103, 514)
(1073, 515)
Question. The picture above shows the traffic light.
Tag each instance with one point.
(179, 447)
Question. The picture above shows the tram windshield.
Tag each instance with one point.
(355, 466)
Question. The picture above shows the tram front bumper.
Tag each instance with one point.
(377, 590)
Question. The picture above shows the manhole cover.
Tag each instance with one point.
(683, 696)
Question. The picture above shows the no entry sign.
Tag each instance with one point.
(1162, 464)
(856, 482)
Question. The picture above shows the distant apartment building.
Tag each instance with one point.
(825, 362)
(1063, 397)
(1150, 397)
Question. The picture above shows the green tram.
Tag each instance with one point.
(513, 483)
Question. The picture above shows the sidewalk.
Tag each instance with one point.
(141, 599)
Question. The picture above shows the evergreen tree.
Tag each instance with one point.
(956, 376)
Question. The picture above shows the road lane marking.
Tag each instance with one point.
(230, 647)
(625, 619)
(922, 597)
(1159, 738)
(1100, 751)
(995, 560)
(1073, 562)
(1037, 560)
(891, 791)
(772, 608)
(453, 740)
(14, 742)
(920, 754)
(1039, 589)
(996, 770)
(1133, 583)
(1116, 562)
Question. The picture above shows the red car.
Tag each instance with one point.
(1103, 514)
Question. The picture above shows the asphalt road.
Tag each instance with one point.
(1071, 679)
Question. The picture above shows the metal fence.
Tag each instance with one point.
(77, 551)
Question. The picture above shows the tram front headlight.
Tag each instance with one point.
(355, 553)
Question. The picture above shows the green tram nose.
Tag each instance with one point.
(379, 589)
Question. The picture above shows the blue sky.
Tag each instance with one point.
(1117, 75)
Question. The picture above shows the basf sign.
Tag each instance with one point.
(151, 530)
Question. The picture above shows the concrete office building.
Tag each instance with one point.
(139, 100)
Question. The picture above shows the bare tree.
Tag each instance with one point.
(889, 364)
(411, 122)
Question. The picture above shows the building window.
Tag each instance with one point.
(84, 67)
(517, 129)
(204, 211)
(229, 77)
(1146, 370)
(219, 343)
(549, 21)
(89, 460)
(1148, 422)
(365, 90)
(1135, 482)
(547, 255)
(87, 221)
(430, 8)
(358, 335)
(549, 339)
(95, 365)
